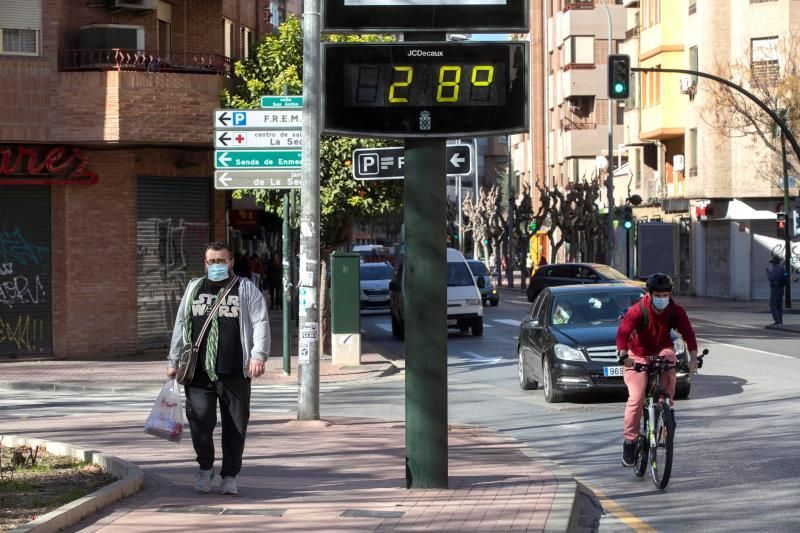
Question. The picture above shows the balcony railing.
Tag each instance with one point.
(143, 60)
(568, 124)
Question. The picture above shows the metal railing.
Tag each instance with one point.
(568, 124)
(146, 61)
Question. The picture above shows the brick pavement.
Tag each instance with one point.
(342, 474)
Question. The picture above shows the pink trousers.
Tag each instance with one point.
(637, 382)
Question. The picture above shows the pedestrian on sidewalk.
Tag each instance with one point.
(778, 278)
(235, 349)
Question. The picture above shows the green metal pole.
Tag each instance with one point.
(787, 243)
(425, 308)
(287, 298)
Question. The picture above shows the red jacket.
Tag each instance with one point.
(655, 337)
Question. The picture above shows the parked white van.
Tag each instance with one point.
(464, 304)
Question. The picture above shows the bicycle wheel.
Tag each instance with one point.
(642, 448)
(661, 455)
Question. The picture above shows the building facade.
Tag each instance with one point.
(106, 164)
(718, 188)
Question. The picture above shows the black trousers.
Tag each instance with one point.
(233, 394)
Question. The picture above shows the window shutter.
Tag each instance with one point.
(21, 14)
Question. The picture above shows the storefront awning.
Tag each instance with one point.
(738, 210)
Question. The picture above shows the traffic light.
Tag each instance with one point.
(619, 76)
(781, 225)
(627, 218)
(533, 226)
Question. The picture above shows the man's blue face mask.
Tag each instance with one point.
(218, 272)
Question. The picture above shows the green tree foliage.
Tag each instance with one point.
(276, 67)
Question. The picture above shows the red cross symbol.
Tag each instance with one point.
(239, 139)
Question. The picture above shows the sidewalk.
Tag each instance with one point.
(337, 474)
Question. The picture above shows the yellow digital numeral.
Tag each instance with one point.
(451, 83)
(489, 78)
(409, 76)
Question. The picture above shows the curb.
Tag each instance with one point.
(73, 387)
(131, 481)
(785, 329)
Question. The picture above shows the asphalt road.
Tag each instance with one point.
(736, 467)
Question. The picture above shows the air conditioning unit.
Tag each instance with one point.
(107, 36)
(133, 5)
(686, 84)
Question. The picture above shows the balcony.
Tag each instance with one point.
(578, 4)
(142, 60)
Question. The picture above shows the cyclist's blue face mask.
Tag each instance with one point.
(661, 303)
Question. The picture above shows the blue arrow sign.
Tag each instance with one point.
(257, 159)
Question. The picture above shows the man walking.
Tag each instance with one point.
(234, 350)
(777, 281)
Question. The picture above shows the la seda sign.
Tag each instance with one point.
(44, 165)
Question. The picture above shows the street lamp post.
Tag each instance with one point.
(610, 164)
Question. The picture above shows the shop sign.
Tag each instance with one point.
(44, 165)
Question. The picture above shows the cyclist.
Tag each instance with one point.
(644, 331)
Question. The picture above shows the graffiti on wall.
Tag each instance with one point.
(21, 292)
(170, 253)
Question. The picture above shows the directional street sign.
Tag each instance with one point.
(278, 102)
(247, 179)
(257, 159)
(258, 139)
(388, 163)
(277, 119)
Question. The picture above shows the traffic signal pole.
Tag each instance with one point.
(787, 235)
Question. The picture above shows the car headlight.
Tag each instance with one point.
(680, 346)
(567, 353)
(473, 302)
(494, 291)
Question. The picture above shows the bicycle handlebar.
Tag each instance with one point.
(663, 366)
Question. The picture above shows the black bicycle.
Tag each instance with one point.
(657, 436)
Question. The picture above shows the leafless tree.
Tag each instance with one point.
(771, 74)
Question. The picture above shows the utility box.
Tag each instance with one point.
(345, 309)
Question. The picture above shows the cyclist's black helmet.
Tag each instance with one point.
(659, 283)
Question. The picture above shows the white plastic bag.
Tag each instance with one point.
(166, 418)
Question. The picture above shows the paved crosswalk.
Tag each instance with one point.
(38, 404)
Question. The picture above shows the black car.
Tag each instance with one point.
(574, 274)
(567, 341)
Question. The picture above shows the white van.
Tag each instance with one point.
(464, 304)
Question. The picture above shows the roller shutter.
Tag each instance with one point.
(761, 249)
(718, 259)
(173, 229)
(26, 317)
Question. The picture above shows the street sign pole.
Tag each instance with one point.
(308, 352)
(425, 304)
(287, 345)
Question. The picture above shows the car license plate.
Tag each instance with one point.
(452, 322)
(609, 371)
(377, 298)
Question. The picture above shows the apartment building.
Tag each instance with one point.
(720, 189)
(569, 104)
(106, 164)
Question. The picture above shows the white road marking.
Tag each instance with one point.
(385, 326)
(748, 349)
(507, 321)
(479, 357)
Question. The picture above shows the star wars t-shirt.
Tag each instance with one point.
(229, 348)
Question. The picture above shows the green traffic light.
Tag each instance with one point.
(627, 224)
(619, 88)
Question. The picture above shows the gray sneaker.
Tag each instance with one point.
(202, 481)
(229, 485)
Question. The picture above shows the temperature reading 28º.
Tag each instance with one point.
(424, 84)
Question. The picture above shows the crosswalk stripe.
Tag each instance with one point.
(507, 321)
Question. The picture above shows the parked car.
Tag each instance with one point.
(374, 281)
(483, 279)
(574, 273)
(464, 305)
(567, 341)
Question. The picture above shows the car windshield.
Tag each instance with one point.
(458, 275)
(592, 307)
(609, 273)
(373, 273)
(478, 268)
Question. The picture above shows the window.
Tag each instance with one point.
(620, 112)
(651, 88)
(579, 50)
(693, 62)
(246, 40)
(562, 271)
(164, 17)
(764, 59)
(633, 90)
(228, 35)
(651, 13)
(20, 27)
(692, 152)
